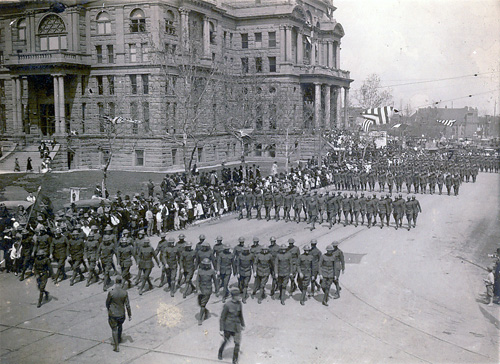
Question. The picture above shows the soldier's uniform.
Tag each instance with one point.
(356, 209)
(416, 209)
(448, 182)
(170, 260)
(187, 267)
(346, 209)
(331, 213)
(268, 203)
(287, 205)
(408, 209)
(244, 268)
(259, 201)
(146, 256)
(388, 202)
(305, 269)
(283, 266)
(232, 323)
(294, 255)
(76, 249)
(205, 252)
(298, 205)
(273, 249)
(91, 252)
(382, 210)
(59, 251)
(124, 255)
(224, 267)
(440, 182)
(313, 210)
(249, 203)
(398, 211)
(41, 268)
(456, 184)
(263, 265)
(278, 203)
(206, 276)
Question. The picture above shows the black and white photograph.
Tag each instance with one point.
(249, 181)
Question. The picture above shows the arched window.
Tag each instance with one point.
(52, 33)
(103, 23)
(137, 21)
(170, 22)
(21, 30)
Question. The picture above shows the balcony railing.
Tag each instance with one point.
(49, 58)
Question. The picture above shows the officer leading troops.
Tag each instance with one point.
(232, 324)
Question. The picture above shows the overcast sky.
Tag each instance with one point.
(406, 41)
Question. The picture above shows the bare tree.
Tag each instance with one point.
(371, 94)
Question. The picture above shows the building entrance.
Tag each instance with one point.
(47, 119)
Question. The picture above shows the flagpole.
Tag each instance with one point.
(33, 206)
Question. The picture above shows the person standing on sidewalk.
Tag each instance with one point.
(116, 303)
(232, 324)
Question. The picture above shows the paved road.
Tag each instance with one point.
(407, 297)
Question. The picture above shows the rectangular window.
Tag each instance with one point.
(139, 158)
(43, 44)
(144, 52)
(145, 84)
(133, 84)
(244, 65)
(2, 88)
(244, 40)
(84, 84)
(174, 156)
(111, 84)
(258, 150)
(258, 64)
(100, 86)
(145, 115)
(272, 116)
(111, 54)
(2, 60)
(258, 40)
(134, 115)
(84, 114)
(272, 39)
(100, 108)
(272, 64)
(200, 154)
(98, 50)
(112, 110)
(272, 150)
(138, 25)
(258, 120)
(133, 52)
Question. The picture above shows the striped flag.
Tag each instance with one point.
(377, 116)
(447, 122)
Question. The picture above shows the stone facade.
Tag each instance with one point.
(272, 67)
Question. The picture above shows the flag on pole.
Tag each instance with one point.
(447, 122)
(377, 116)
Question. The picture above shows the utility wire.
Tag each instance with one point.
(439, 79)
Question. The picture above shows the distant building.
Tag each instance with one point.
(68, 68)
(424, 122)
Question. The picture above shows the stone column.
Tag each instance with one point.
(327, 107)
(319, 61)
(185, 28)
(313, 53)
(346, 107)
(300, 50)
(56, 103)
(75, 20)
(329, 54)
(337, 56)
(62, 106)
(19, 106)
(337, 101)
(288, 43)
(206, 37)
(30, 32)
(282, 44)
(317, 104)
(14, 104)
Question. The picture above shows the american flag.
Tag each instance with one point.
(377, 116)
(446, 122)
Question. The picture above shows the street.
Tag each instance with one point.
(407, 297)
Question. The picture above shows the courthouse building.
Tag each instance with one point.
(69, 69)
